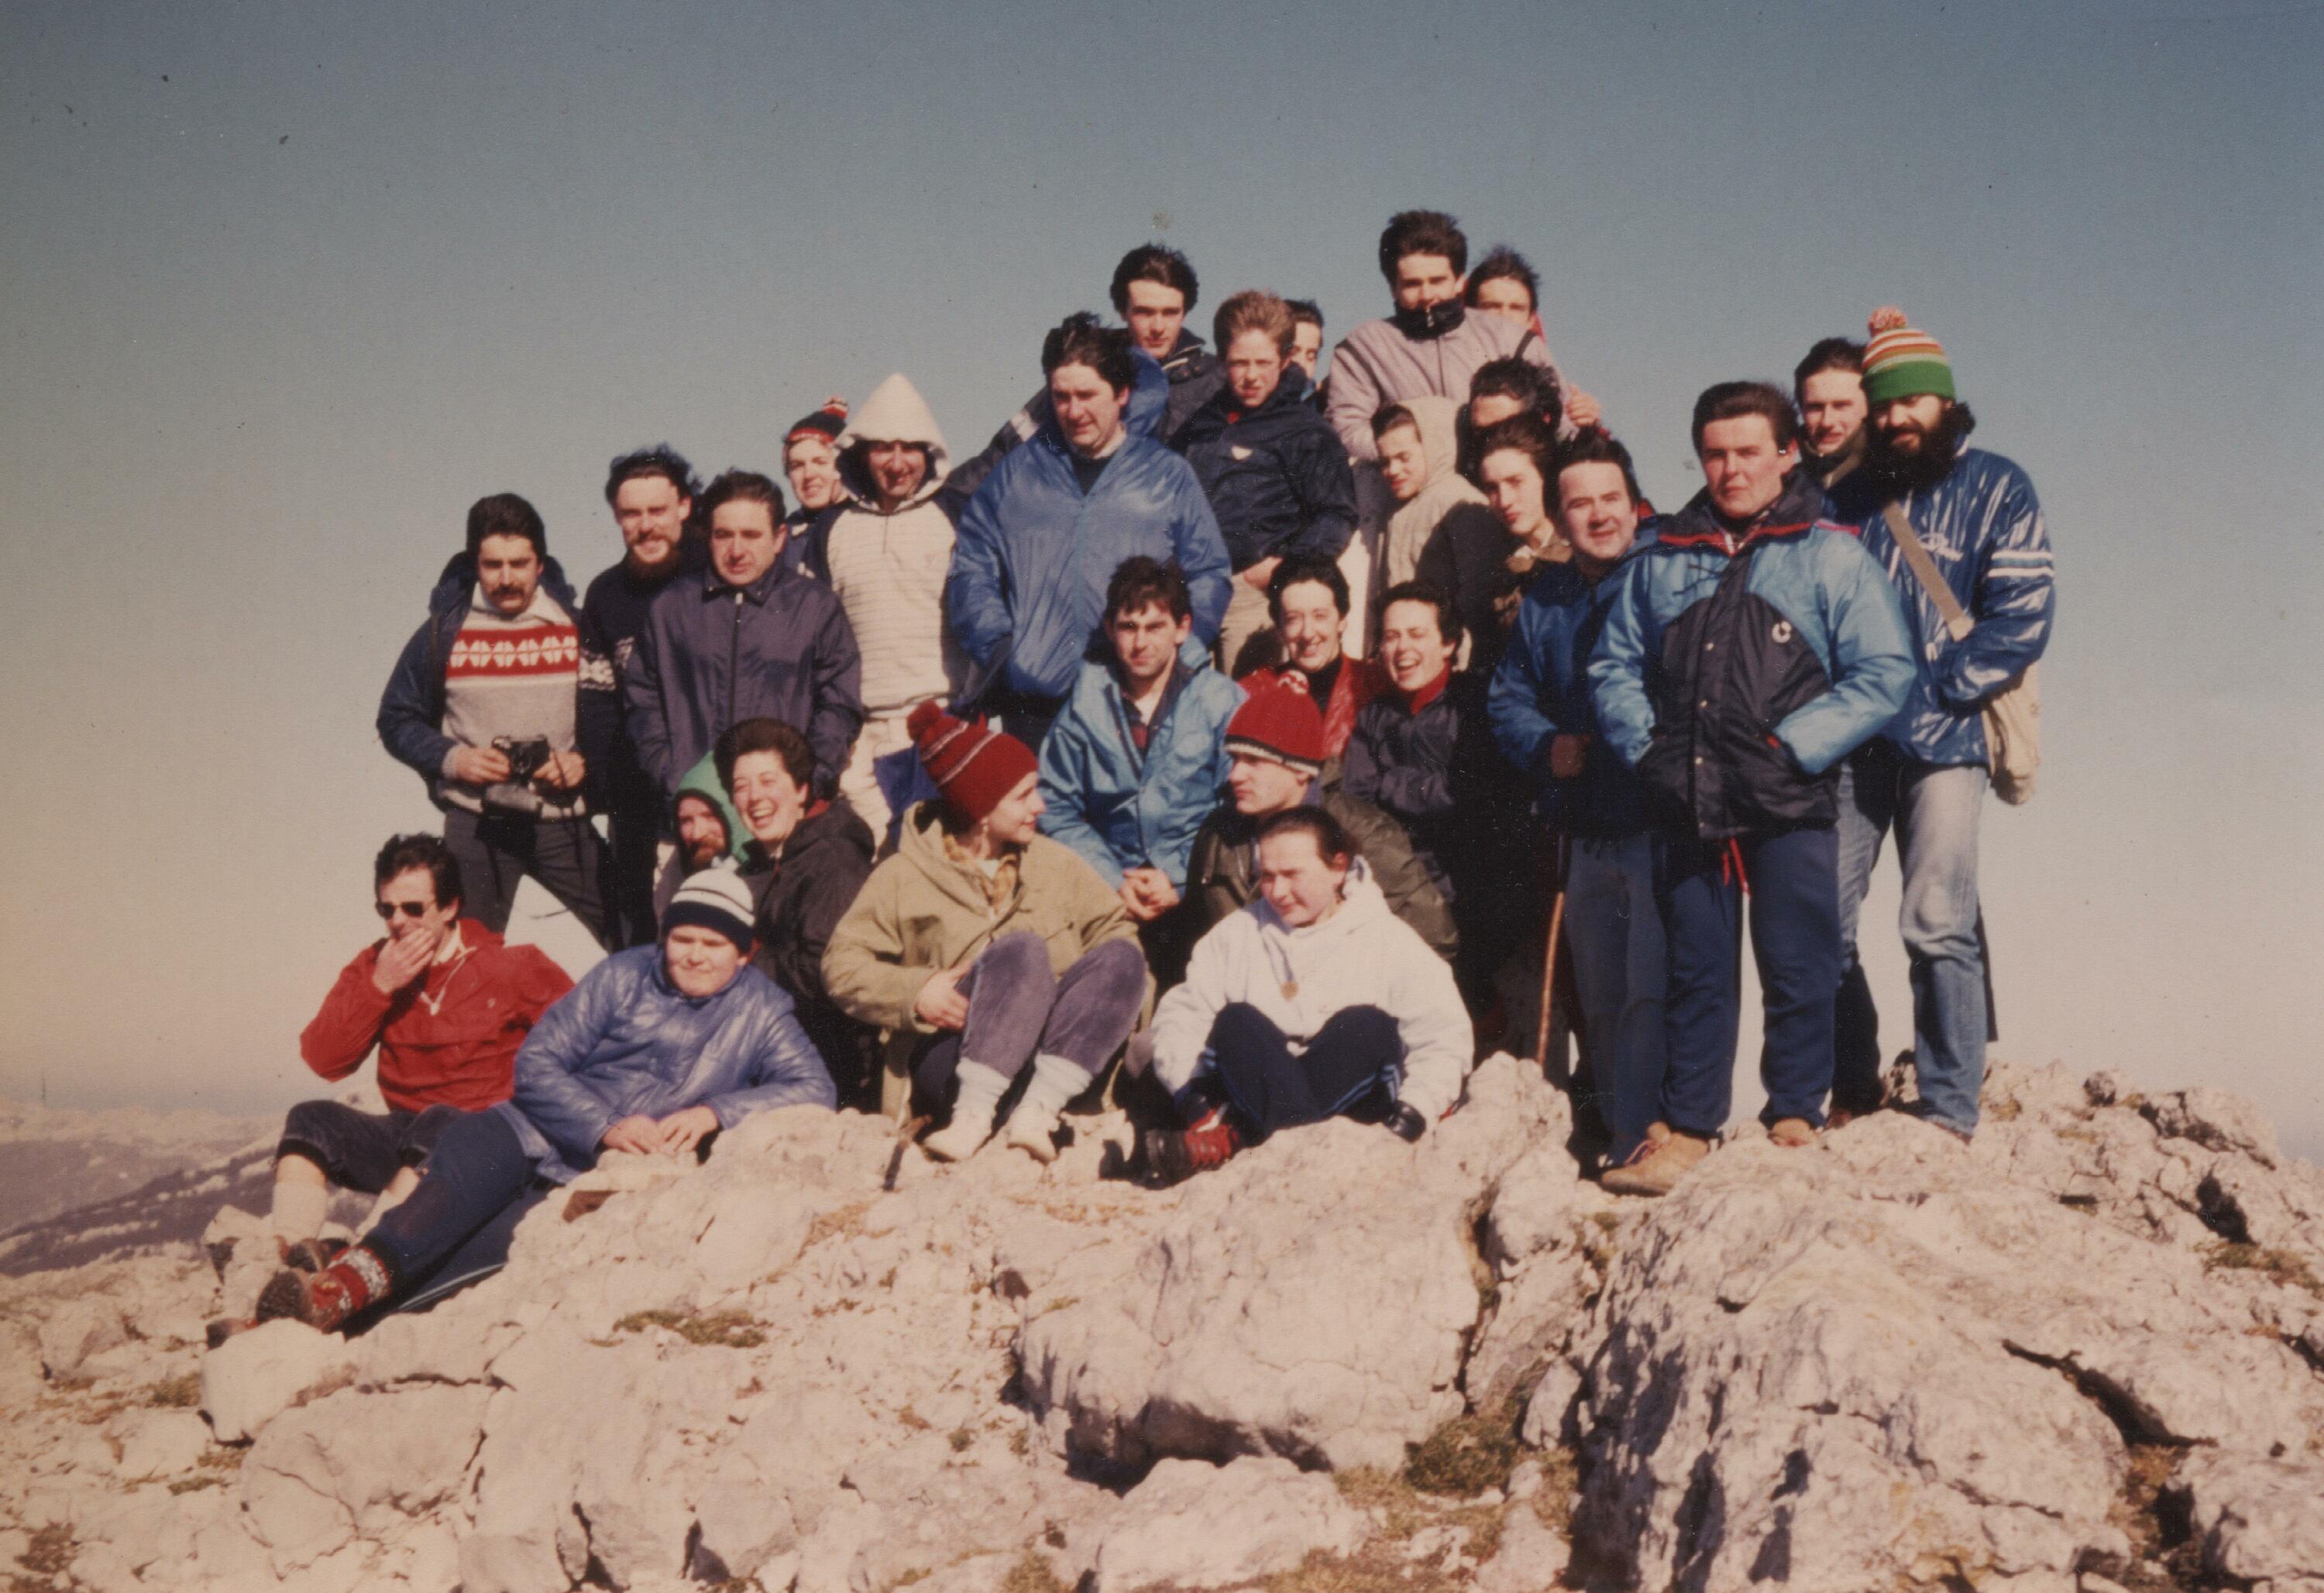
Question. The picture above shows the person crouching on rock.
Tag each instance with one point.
(656, 1049)
(996, 955)
(1312, 1002)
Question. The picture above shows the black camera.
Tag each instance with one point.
(525, 755)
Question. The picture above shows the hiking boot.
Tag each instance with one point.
(1172, 1156)
(325, 1300)
(1657, 1166)
(1792, 1133)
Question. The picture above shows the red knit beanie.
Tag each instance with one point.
(1280, 723)
(826, 423)
(973, 766)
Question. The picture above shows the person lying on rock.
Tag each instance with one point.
(445, 1003)
(656, 1049)
(996, 957)
(1315, 1001)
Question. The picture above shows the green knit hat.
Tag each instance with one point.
(1901, 361)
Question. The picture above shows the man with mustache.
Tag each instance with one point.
(505, 705)
(1926, 775)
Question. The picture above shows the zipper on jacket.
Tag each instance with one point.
(733, 659)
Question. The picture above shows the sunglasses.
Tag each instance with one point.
(410, 909)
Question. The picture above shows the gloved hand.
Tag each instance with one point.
(1407, 1124)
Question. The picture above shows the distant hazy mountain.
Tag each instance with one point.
(56, 1163)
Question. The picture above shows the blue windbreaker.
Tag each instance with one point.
(1734, 672)
(1121, 809)
(1030, 566)
(1540, 690)
(624, 1042)
(1983, 528)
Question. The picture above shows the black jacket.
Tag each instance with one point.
(801, 896)
(1277, 476)
(1436, 772)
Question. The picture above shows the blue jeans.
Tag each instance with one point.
(1795, 906)
(456, 1226)
(1614, 934)
(1933, 809)
(1351, 1067)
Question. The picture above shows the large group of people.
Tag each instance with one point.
(1255, 740)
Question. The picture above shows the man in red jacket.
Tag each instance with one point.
(446, 1001)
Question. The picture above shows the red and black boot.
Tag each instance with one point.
(1172, 1156)
(324, 1300)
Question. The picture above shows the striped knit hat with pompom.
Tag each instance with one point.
(973, 766)
(1902, 361)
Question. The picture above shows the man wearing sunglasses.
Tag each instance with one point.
(446, 1002)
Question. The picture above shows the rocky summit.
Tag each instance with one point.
(2086, 1353)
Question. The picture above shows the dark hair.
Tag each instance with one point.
(1529, 434)
(1421, 231)
(1254, 310)
(1732, 401)
(763, 735)
(1296, 567)
(504, 514)
(1534, 388)
(1141, 580)
(1151, 262)
(1308, 311)
(403, 852)
(747, 486)
(1500, 262)
(1592, 447)
(1330, 836)
(1081, 339)
(661, 460)
(1390, 416)
(1829, 353)
(1448, 617)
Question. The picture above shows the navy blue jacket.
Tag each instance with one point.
(1035, 553)
(616, 604)
(712, 654)
(1277, 476)
(1542, 691)
(1983, 528)
(1435, 771)
(1735, 672)
(411, 707)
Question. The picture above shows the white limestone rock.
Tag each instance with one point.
(255, 1376)
(1191, 1524)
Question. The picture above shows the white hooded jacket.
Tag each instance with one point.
(889, 570)
(1363, 955)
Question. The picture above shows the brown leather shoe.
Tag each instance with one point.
(1656, 1171)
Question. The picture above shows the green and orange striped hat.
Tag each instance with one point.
(1901, 361)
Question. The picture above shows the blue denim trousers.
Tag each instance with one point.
(1933, 810)
(1793, 905)
(1614, 934)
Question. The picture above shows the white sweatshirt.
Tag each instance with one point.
(1363, 955)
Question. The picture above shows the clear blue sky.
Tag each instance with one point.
(284, 286)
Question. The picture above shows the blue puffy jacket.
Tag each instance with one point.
(1119, 808)
(712, 654)
(1734, 672)
(1277, 476)
(1540, 690)
(411, 706)
(1034, 555)
(1983, 528)
(625, 1041)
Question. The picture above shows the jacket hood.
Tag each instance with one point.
(894, 413)
(459, 578)
(1800, 505)
(702, 780)
(1437, 419)
(1360, 902)
(1439, 423)
(921, 842)
(1188, 358)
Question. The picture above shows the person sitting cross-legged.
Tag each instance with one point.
(1136, 760)
(656, 1049)
(995, 956)
(1312, 1002)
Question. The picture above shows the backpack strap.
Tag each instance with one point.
(1908, 542)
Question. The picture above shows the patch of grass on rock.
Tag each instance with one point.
(1467, 1454)
(176, 1394)
(723, 1329)
(1032, 1574)
(2279, 1265)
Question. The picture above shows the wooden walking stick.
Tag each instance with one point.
(1549, 962)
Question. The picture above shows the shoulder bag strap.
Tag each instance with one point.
(1908, 542)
